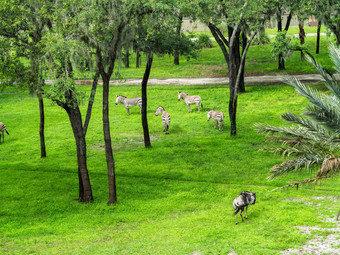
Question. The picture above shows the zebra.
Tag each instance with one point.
(190, 100)
(2, 131)
(243, 200)
(218, 116)
(165, 118)
(128, 102)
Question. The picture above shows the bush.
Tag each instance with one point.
(261, 40)
(204, 41)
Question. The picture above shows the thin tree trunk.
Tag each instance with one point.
(42, 126)
(147, 141)
(138, 59)
(241, 86)
(318, 38)
(85, 190)
(126, 59)
(108, 144)
(302, 33)
(178, 33)
(91, 101)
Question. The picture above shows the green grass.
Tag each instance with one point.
(295, 30)
(175, 198)
(211, 63)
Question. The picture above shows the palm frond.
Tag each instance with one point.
(313, 180)
(335, 56)
(308, 124)
(327, 116)
(329, 165)
(293, 164)
(330, 81)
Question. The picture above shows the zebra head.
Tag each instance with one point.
(209, 115)
(160, 110)
(181, 95)
(119, 99)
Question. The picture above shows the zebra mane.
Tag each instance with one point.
(121, 96)
(161, 107)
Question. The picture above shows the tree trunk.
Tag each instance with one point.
(42, 126)
(126, 59)
(318, 38)
(147, 141)
(108, 144)
(234, 65)
(85, 190)
(242, 87)
(178, 33)
(138, 59)
(281, 61)
(91, 100)
(302, 33)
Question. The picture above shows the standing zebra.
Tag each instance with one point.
(190, 100)
(165, 118)
(128, 102)
(218, 116)
(2, 131)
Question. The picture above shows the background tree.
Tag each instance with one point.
(241, 19)
(329, 13)
(314, 139)
(154, 38)
(25, 22)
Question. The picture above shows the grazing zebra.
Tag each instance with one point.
(218, 116)
(165, 118)
(2, 131)
(190, 100)
(243, 200)
(128, 102)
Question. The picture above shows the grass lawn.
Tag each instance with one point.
(175, 198)
(211, 63)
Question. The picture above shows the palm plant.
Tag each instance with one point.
(313, 139)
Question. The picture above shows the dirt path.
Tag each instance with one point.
(268, 79)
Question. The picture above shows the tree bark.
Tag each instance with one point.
(302, 33)
(147, 141)
(85, 190)
(126, 59)
(110, 162)
(138, 59)
(42, 126)
(318, 38)
(233, 70)
(91, 101)
(178, 33)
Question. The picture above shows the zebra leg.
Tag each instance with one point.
(127, 110)
(214, 123)
(222, 124)
(236, 218)
(219, 125)
(198, 107)
(246, 211)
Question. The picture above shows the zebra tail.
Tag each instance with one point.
(201, 105)
(6, 131)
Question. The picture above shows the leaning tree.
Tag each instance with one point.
(314, 138)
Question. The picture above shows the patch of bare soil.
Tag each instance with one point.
(328, 243)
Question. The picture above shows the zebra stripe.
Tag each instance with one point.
(3, 129)
(216, 116)
(129, 102)
(190, 100)
(165, 118)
